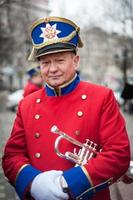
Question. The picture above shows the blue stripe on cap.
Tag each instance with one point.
(25, 177)
(64, 28)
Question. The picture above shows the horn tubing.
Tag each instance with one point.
(55, 129)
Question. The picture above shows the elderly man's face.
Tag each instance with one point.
(58, 68)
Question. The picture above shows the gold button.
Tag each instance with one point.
(84, 96)
(38, 100)
(37, 135)
(80, 113)
(77, 132)
(37, 155)
(37, 116)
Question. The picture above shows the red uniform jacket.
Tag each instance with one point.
(88, 112)
(30, 88)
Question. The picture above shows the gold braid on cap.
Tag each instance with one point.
(58, 40)
(64, 39)
(32, 54)
(56, 19)
(54, 41)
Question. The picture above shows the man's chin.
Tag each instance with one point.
(55, 85)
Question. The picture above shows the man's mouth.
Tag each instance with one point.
(55, 77)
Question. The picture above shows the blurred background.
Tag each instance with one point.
(106, 58)
(106, 30)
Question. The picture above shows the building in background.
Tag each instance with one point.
(16, 17)
(101, 50)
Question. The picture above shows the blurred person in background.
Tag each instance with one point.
(85, 111)
(35, 81)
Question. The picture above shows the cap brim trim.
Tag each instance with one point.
(54, 48)
(55, 51)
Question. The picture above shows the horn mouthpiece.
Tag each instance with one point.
(54, 129)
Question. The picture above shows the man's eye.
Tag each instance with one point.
(60, 61)
(45, 63)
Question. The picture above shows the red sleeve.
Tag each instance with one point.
(15, 153)
(114, 159)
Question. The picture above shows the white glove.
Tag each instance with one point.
(47, 185)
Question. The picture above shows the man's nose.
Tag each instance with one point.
(53, 67)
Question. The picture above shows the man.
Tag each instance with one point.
(83, 110)
(35, 81)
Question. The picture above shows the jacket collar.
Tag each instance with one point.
(64, 89)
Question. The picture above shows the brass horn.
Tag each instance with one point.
(87, 150)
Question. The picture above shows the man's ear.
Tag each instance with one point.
(76, 61)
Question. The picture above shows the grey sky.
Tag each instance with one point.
(86, 13)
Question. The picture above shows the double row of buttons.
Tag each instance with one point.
(37, 116)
